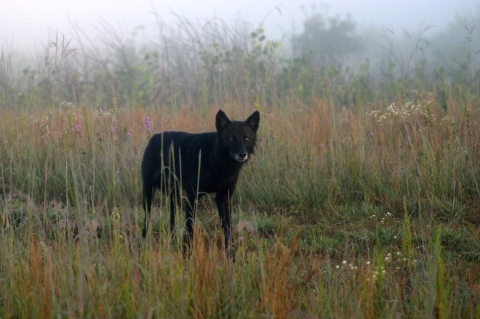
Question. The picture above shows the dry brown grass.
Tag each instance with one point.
(72, 249)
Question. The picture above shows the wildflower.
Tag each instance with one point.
(148, 124)
(77, 127)
(260, 143)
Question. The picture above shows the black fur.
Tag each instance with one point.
(199, 163)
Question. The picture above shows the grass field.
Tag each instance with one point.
(362, 201)
(368, 213)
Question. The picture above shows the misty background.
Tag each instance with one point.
(152, 53)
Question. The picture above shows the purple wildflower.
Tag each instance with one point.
(148, 124)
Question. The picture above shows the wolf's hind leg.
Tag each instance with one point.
(148, 192)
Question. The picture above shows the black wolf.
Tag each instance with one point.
(199, 163)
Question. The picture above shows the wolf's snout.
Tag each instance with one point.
(240, 157)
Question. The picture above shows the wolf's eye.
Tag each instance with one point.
(231, 138)
(246, 138)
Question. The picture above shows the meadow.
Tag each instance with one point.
(362, 200)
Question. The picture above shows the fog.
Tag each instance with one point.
(183, 52)
(29, 24)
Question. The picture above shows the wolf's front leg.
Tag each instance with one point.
(223, 200)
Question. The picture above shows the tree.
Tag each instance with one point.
(327, 39)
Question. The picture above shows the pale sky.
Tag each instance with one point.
(29, 24)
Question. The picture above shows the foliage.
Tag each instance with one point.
(324, 40)
(363, 191)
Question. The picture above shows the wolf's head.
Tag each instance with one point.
(238, 138)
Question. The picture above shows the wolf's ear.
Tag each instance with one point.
(253, 121)
(221, 121)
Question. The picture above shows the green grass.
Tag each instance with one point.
(356, 219)
(362, 200)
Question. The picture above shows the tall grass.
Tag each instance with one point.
(70, 182)
(360, 201)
